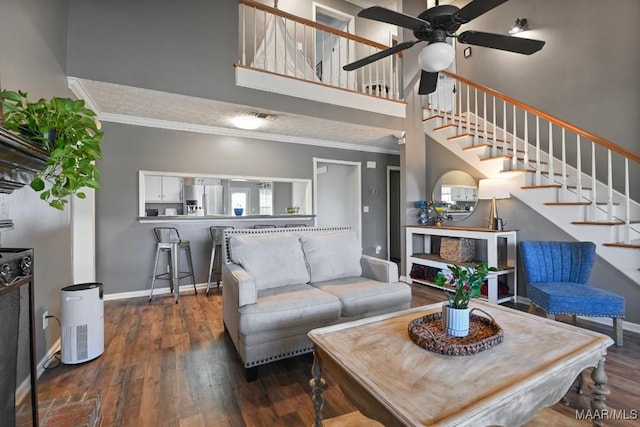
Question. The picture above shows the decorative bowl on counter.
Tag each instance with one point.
(293, 210)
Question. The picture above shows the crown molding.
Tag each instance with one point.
(213, 130)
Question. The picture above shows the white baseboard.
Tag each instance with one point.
(156, 291)
(25, 386)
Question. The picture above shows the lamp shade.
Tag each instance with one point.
(436, 57)
(493, 188)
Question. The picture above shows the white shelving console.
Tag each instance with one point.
(497, 248)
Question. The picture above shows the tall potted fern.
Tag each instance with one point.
(69, 133)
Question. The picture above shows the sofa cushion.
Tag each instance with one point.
(273, 260)
(289, 307)
(359, 295)
(332, 255)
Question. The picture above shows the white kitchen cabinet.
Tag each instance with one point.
(163, 189)
(497, 248)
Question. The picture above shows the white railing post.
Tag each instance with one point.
(525, 144)
(494, 144)
(459, 107)
(275, 45)
(475, 116)
(594, 180)
(538, 165)
(484, 117)
(468, 118)
(551, 169)
(505, 145)
(627, 198)
(579, 170)
(514, 159)
(564, 168)
(243, 36)
(609, 186)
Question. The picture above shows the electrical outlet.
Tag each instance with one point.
(45, 320)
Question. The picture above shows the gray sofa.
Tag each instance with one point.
(279, 283)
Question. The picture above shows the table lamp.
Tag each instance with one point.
(492, 189)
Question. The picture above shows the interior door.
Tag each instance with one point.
(337, 194)
(332, 51)
(395, 248)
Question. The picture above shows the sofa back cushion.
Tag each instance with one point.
(332, 255)
(272, 260)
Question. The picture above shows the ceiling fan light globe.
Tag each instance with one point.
(436, 57)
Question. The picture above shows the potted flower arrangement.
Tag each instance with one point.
(461, 283)
(69, 133)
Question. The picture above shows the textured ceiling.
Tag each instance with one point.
(127, 104)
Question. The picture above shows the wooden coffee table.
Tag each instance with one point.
(394, 381)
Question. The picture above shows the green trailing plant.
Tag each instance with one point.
(70, 134)
(461, 283)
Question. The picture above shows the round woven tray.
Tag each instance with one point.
(428, 333)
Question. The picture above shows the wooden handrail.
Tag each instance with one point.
(312, 24)
(555, 120)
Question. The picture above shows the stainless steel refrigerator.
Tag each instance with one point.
(213, 200)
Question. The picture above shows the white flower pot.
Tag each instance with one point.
(455, 321)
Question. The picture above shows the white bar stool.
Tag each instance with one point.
(215, 263)
(168, 240)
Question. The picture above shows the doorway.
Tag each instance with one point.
(337, 194)
(332, 52)
(393, 214)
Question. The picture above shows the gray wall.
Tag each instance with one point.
(180, 47)
(32, 58)
(125, 247)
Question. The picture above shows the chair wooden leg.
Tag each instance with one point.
(617, 328)
(573, 318)
(532, 307)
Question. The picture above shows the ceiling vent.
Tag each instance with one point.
(260, 115)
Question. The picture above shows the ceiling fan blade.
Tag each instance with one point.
(379, 55)
(475, 9)
(502, 42)
(389, 16)
(428, 82)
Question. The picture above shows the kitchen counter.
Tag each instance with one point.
(222, 218)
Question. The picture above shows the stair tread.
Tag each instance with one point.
(633, 244)
(530, 187)
(586, 203)
(473, 147)
(597, 222)
(443, 127)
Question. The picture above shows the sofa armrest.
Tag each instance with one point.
(240, 284)
(379, 269)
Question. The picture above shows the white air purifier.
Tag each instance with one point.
(81, 322)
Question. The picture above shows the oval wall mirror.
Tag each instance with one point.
(455, 195)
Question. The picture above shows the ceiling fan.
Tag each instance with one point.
(433, 26)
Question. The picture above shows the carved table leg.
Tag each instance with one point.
(600, 393)
(317, 383)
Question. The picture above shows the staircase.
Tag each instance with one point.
(575, 179)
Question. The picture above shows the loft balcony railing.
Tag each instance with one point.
(545, 145)
(278, 42)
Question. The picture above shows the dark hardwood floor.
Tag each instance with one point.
(169, 364)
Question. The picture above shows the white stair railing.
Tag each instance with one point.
(613, 161)
(281, 43)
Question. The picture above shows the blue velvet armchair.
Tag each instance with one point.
(557, 275)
